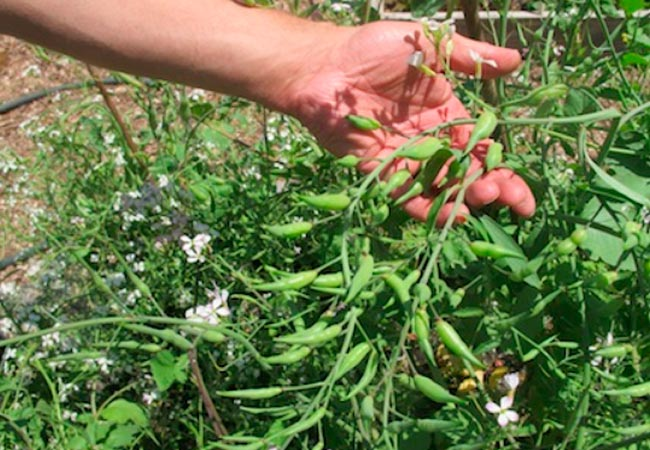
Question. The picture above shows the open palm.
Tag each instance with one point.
(369, 75)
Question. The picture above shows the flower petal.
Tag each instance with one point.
(505, 402)
(511, 380)
(502, 420)
(511, 415)
(493, 408)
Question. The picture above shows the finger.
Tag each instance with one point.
(482, 192)
(512, 189)
(497, 61)
(514, 193)
(446, 211)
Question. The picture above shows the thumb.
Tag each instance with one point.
(495, 61)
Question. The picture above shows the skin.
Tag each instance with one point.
(317, 72)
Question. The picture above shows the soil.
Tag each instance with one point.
(24, 69)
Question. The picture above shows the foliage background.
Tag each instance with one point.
(75, 376)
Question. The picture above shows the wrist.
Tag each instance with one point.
(312, 51)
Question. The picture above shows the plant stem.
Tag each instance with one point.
(217, 424)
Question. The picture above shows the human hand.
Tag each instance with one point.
(367, 74)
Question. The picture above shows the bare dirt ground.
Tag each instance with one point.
(25, 69)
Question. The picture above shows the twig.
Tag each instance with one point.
(118, 117)
(217, 423)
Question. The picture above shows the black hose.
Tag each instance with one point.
(22, 255)
(36, 95)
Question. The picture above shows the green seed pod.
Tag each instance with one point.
(368, 374)
(494, 156)
(639, 390)
(348, 161)
(380, 214)
(398, 286)
(363, 295)
(361, 277)
(450, 338)
(134, 345)
(292, 282)
(328, 280)
(435, 425)
(200, 191)
(422, 293)
(411, 278)
(207, 335)
(252, 394)
(352, 359)
(400, 426)
(546, 93)
(291, 356)
(290, 230)
(317, 338)
(169, 336)
(578, 236)
(484, 127)
(433, 390)
(363, 123)
(565, 247)
(328, 202)
(613, 351)
(422, 150)
(304, 425)
(484, 249)
(422, 332)
(213, 336)
(367, 408)
(416, 189)
(396, 180)
(605, 280)
(405, 381)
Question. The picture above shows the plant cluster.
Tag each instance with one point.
(229, 284)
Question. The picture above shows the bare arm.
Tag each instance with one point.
(214, 44)
(317, 72)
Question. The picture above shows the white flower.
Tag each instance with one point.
(163, 181)
(69, 415)
(511, 381)
(214, 310)
(103, 363)
(149, 397)
(138, 266)
(193, 247)
(133, 297)
(76, 220)
(505, 414)
(447, 27)
(340, 7)
(51, 340)
(478, 59)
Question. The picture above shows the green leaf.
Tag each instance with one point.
(121, 411)
(617, 186)
(602, 245)
(631, 6)
(166, 369)
(634, 59)
(163, 369)
(122, 436)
